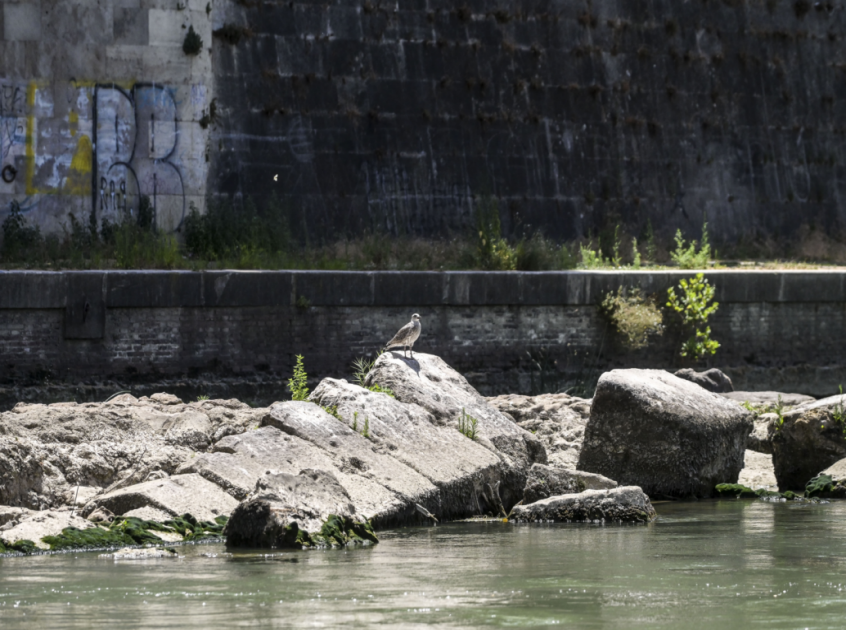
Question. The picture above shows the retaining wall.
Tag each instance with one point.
(507, 332)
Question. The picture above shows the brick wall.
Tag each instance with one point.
(514, 332)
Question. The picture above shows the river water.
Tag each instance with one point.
(711, 564)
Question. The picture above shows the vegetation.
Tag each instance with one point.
(687, 256)
(467, 424)
(634, 316)
(193, 43)
(298, 383)
(361, 368)
(694, 304)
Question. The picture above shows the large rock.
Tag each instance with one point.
(430, 383)
(713, 380)
(662, 433)
(546, 481)
(627, 504)
(810, 439)
(557, 420)
(769, 399)
(461, 468)
(50, 454)
(761, 438)
(294, 510)
(177, 495)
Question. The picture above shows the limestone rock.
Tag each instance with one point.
(627, 504)
(175, 495)
(712, 380)
(36, 525)
(430, 383)
(758, 471)
(760, 439)
(47, 451)
(667, 435)
(9, 516)
(809, 440)
(154, 553)
(459, 467)
(546, 481)
(557, 420)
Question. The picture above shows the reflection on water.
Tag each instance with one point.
(724, 564)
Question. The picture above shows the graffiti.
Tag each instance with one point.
(136, 133)
(12, 121)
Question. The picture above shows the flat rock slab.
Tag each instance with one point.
(239, 461)
(155, 553)
(769, 398)
(664, 434)
(36, 525)
(627, 504)
(547, 481)
(177, 495)
(758, 471)
(458, 466)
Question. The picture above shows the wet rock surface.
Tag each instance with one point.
(664, 434)
(557, 420)
(628, 504)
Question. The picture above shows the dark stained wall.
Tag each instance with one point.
(575, 115)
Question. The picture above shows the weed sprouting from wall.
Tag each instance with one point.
(634, 316)
(193, 43)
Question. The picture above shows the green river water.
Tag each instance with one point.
(711, 564)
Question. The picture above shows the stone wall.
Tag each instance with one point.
(507, 332)
(575, 116)
(99, 105)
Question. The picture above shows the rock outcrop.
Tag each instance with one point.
(33, 526)
(664, 434)
(546, 481)
(557, 420)
(757, 471)
(428, 382)
(52, 454)
(712, 380)
(810, 439)
(627, 504)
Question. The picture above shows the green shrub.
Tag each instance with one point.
(18, 236)
(634, 316)
(687, 256)
(298, 383)
(193, 43)
(492, 251)
(592, 259)
(693, 305)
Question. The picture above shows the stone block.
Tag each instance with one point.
(167, 28)
(22, 21)
(153, 289)
(226, 288)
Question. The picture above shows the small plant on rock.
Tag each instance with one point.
(298, 384)
(467, 425)
(634, 316)
(694, 304)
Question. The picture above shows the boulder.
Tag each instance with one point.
(546, 481)
(36, 525)
(177, 495)
(458, 466)
(9, 516)
(665, 434)
(757, 471)
(628, 504)
(713, 380)
(810, 439)
(427, 381)
(557, 420)
(308, 509)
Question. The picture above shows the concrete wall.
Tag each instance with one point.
(515, 332)
(100, 105)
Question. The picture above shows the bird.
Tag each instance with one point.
(406, 336)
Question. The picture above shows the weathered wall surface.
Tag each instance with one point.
(507, 332)
(100, 105)
(575, 114)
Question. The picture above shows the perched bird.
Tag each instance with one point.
(406, 336)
